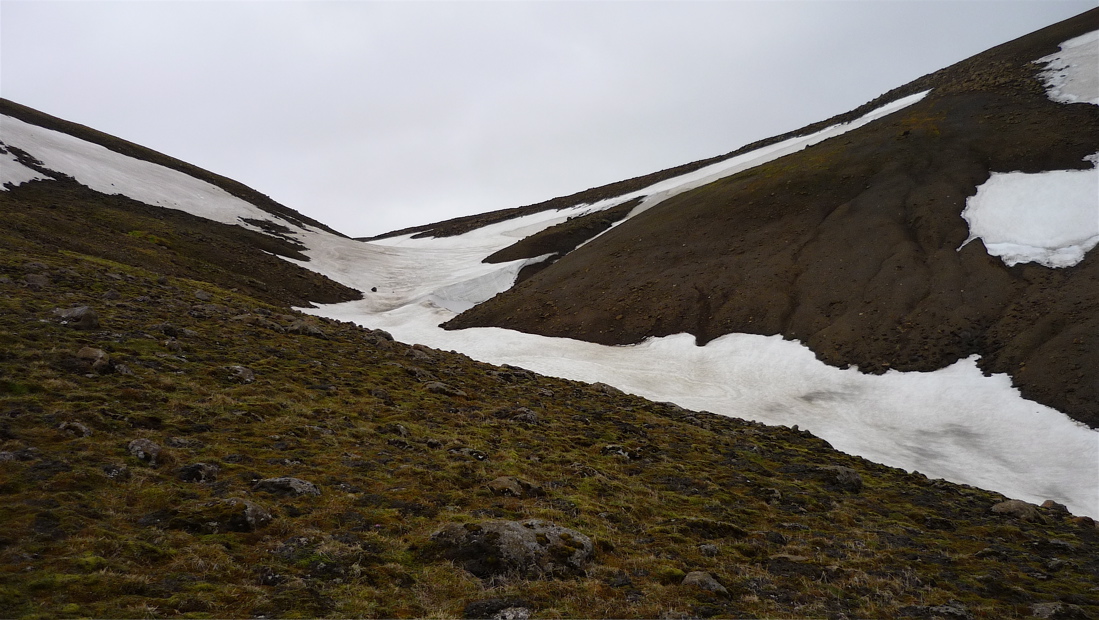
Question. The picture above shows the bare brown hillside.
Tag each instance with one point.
(851, 246)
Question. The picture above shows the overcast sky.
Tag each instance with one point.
(372, 116)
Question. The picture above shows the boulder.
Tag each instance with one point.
(286, 486)
(306, 328)
(36, 281)
(437, 387)
(1055, 507)
(1019, 509)
(704, 580)
(225, 515)
(241, 374)
(843, 478)
(510, 486)
(76, 429)
(99, 359)
(532, 549)
(81, 317)
(198, 472)
(144, 450)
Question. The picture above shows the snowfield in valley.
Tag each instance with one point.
(954, 423)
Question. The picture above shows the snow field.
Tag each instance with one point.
(108, 172)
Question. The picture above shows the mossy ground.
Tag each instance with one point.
(89, 529)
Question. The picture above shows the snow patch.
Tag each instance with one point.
(108, 172)
(14, 173)
(1050, 218)
(1072, 74)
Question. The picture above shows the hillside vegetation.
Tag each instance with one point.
(188, 446)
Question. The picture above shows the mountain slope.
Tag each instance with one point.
(139, 458)
(852, 245)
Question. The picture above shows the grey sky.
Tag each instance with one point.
(372, 116)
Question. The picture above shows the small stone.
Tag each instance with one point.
(705, 581)
(202, 295)
(112, 295)
(144, 450)
(76, 429)
(116, 472)
(241, 374)
(708, 550)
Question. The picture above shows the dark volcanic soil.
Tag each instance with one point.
(851, 246)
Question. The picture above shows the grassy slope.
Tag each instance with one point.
(77, 542)
(851, 246)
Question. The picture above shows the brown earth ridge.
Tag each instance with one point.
(854, 246)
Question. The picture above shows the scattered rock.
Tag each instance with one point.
(144, 450)
(531, 548)
(497, 609)
(437, 387)
(1058, 611)
(306, 328)
(112, 295)
(241, 374)
(116, 471)
(617, 450)
(99, 359)
(1019, 509)
(470, 452)
(81, 317)
(36, 281)
(609, 390)
(226, 515)
(199, 472)
(1055, 507)
(510, 486)
(202, 295)
(843, 478)
(705, 581)
(76, 429)
(286, 486)
(708, 550)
